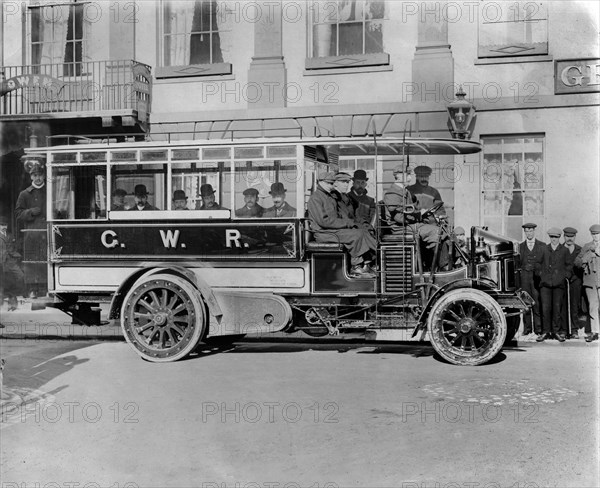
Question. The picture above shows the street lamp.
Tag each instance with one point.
(461, 115)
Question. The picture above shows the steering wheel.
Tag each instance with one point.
(432, 210)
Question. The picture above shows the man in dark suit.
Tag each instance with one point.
(532, 256)
(141, 199)
(556, 269)
(364, 206)
(251, 207)
(280, 207)
(324, 214)
(572, 300)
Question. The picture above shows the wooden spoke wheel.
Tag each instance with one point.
(467, 327)
(163, 318)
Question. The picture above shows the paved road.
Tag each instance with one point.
(267, 415)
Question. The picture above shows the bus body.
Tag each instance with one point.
(179, 277)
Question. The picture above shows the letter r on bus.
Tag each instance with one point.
(232, 236)
(108, 239)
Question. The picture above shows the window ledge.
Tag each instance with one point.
(344, 62)
(348, 70)
(193, 70)
(514, 59)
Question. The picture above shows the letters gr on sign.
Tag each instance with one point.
(577, 76)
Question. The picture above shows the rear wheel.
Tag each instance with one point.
(163, 317)
(467, 327)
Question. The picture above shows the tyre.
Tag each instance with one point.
(467, 327)
(163, 318)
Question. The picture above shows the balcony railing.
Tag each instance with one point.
(92, 86)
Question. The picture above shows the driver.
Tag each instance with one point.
(402, 211)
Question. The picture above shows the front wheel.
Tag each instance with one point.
(163, 318)
(467, 327)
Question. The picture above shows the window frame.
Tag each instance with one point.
(185, 70)
(68, 69)
(526, 50)
(343, 61)
(524, 189)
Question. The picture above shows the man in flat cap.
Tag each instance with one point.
(427, 195)
(31, 214)
(572, 301)
(589, 260)
(179, 200)
(364, 206)
(209, 201)
(251, 208)
(555, 270)
(532, 255)
(324, 214)
(403, 212)
(280, 207)
(118, 200)
(140, 194)
(341, 183)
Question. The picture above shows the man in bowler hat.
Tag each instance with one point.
(364, 206)
(180, 200)
(141, 199)
(280, 207)
(209, 201)
(532, 255)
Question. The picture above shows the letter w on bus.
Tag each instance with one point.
(169, 238)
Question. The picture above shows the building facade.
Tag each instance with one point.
(195, 69)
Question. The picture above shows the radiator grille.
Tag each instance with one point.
(397, 269)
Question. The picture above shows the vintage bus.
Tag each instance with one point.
(178, 278)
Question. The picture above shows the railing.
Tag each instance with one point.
(92, 86)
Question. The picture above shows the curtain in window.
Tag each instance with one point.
(225, 20)
(54, 35)
(179, 26)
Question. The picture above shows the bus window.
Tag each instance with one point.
(202, 183)
(149, 179)
(266, 189)
(79, 192)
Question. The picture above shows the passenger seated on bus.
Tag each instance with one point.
(251, 207)
(365, 208)
(118, 199)
(402, 212)
(345, 203)
(179, 200)
(208, 198)
(324, 213)
(280, 207)
(141, 199)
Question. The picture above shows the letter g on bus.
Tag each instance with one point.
(108, 239)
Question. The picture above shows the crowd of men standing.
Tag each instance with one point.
(557, 276)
